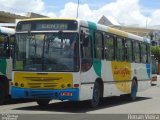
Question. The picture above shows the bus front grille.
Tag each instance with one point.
(42, 82)
(43, 85)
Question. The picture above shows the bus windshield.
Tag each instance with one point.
(47, 52)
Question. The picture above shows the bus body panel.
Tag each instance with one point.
(43, 85)
(66, 94)
(116, 75)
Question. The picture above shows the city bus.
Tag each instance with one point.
(6, 53)
(76, 60)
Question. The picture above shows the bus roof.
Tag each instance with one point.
(34, 19)
(99, 27)
(5, 30)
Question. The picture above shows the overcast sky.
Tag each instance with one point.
(130, 12)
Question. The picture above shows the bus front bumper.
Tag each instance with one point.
(71, 94)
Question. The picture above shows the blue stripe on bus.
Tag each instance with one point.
(148, 67)
(44, 94)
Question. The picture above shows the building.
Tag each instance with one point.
(152, 32)
(9, 19)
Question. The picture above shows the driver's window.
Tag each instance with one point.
(86, 53)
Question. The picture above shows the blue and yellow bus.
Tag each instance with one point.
(6, 53)
(75, 60)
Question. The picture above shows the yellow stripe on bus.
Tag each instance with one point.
(118, 32)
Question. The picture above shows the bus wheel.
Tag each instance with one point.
(96, 95)
(42, 102)
(2, 94)
(134, 89)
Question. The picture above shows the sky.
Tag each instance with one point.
(141, 13)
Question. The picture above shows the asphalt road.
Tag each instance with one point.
(147, 102)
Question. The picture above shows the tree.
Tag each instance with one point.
(155, 50)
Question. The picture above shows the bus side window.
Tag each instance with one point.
(86, 53)
(98, 45)
(120, 49)
(11, 44)
(4, 46)
(129, 50)
(109, 47)
(136, 49)
(144, 53)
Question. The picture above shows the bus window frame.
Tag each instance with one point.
(8, 50)
(134, 53)
(116, 45)
(80, 47)
(102, 48)
(132, 57)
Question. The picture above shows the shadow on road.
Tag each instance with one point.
(16, 101)
(81, 107)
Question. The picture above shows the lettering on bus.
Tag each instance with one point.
(121, 75)
(43, 25)
(49, 26)
(121, 70)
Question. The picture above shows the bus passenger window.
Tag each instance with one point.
(120, 49)
(143, 53)
(109, 47)
(12, 42)
(136, 48)
(4, 46)
(98, 45)
(129, 50)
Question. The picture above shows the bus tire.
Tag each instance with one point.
(43, 102)
(2, 94)
(96, 95)
(134, 88)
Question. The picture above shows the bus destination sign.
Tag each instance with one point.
(47, 25)
(52, 26)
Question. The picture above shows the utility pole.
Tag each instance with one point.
(77, 8)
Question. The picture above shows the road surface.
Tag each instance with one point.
(147, 102)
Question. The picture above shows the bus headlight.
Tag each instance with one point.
(63, 86)
(22, 85)
(16, 84)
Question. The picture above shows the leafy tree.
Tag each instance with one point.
(155, 50)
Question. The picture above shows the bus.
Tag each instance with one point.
(76, 60)
(6, 53)
(154, 64)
